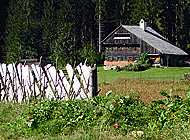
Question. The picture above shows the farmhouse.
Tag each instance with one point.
(126, 44)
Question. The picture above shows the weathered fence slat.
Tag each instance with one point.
(86, 78)
(65, 85)
(79, 93)
(22, 82)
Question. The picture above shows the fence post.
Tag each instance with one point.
(94, 81)
(0, 91)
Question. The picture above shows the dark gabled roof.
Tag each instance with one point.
(155, 40)
(152, 38)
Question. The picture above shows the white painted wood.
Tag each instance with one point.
(39, 75)
(85, 80)
(15, 87)
(2, 81)
(121, 37)
(27, 81)
(10, 82)
(79, 93)
(65, 85)
(51, 87)
(20, 84)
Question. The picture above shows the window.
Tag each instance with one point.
(130, 58)
(122, 36)
(133, 48)
(110, 48)
(110, 58)
(119, 58)
(118, 48)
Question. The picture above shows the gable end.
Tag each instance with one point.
(121, 36)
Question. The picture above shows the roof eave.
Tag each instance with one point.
(184, 54)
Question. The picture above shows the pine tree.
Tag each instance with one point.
(22, 30)
(3, 15)
(16, 31)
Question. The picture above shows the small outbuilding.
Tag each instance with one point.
(35, 61)
(126, 44)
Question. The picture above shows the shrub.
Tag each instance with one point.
(144, 59)
(137, 66)
(109, 113)
(129, 67)
(143, 64)
(117, 69)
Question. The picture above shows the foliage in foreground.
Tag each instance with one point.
(102, 117)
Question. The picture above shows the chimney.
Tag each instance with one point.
(143, 24)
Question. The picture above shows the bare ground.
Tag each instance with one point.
(148, 90)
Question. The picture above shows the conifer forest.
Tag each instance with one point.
(67, 31)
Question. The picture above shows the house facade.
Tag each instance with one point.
(126, 44)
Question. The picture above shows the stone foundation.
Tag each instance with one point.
(117, 63)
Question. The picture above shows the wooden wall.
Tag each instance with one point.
(147, 48)
(112, 54)
(126, 45)
(173, 60)
(125, 53)
(133, 39)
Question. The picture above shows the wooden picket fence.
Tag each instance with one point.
(22, 83)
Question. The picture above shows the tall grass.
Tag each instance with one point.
(104, 117)
(148, 90)
(123, 108)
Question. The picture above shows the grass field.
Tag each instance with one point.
(118, 115)
(146, 83)
(104, 117)
(171, 73)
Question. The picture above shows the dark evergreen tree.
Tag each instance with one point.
(16, 31)
(3, 15)
(22, 30)
(49, 27)
(63, 30)
(183, 24)
(139, 11)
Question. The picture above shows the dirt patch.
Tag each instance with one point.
(148, 90)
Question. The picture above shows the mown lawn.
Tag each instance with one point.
(171, 73)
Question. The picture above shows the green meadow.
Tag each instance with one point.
(170, 73)
(150, 104)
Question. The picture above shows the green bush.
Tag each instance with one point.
(128, 112)
(137, 67)
(129, 67)
(117, 69)
(111, 113)
(143, 64)
(144, 59)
